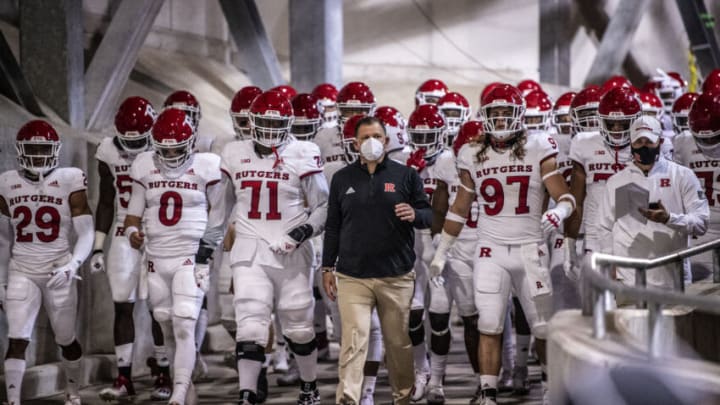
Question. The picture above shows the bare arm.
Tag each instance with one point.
(440, 206)
(577, 189)
(461, 206)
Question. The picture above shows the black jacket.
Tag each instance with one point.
(362, 231)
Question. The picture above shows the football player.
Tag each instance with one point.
(176, 195)
(40, 207)
(509, 172)
(281, 202)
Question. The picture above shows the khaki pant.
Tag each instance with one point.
(356, 299)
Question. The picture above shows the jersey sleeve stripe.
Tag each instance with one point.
(225, 172)
(552, 155)
(310, 173)
(211, 183)
(139, 182)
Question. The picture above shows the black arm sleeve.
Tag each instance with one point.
(419, 201)
(331, 241)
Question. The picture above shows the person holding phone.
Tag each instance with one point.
(677, 207)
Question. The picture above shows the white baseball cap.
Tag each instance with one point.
(646, 126)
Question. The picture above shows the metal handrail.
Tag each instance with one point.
(596, 277)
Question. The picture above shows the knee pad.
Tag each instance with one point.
(299, 333)
(301, 349)
(183, 328)
(187, 297)
(439, 323)
(490, 324)
(416, 328)
(246, 350)
(72, 351)
(162, 314)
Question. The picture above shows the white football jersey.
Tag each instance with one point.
(706, 169)
(511, 191)
(600, 163)
(329, 140)
(40, 216)
(269, 198)
(119, 162)
(176, 204)
(446, 171)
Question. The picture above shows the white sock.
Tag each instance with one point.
(266, 363)
(185, 354)
(73, 375)
(488, 381)
(307, 366)
(368, 385)
(248, 372)
(124, 354)
(438, 363)
(161, 355)
(14, 371)
(201, 328)
(420, 358)
(181, 382)
(522, 351)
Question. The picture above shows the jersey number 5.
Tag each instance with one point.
(255, 187)
(46, 218)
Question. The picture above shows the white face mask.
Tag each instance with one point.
(372, 149)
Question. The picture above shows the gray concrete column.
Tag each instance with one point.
(316, 43)
(555, 40)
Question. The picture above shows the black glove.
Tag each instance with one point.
(203, 254)
(301, 233)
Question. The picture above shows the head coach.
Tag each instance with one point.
(374, 205)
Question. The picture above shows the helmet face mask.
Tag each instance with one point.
(303, 129)
(430, 139)
(616, 129)
(347, 110)
(241, 124)
(134, 142)
(585, 119)
(562, 121)
(502, 122)
(173, 155)
(38, 157)
(173, 138)
(618, 109)
(270, 131)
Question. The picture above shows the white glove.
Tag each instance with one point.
(445, 241)
(63, 275)
(284, 246)
(570, 262)
(428, 243)
(97, 262)
(554, 217)
(202, 276)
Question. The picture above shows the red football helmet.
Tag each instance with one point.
(326, 95)
(172, 137)
(668, 88)
(704, 120)
(307, 117)
(615, 81)
(470, 131)
(395, 125)
(503, 109)
(651, 105)
(133, 122)
(680, 111)
(271, 116)
(618, 108)
(561, 118)
(538, 108)
(584, 109)
(38, 146)
(286, 90)
(355, 98)
(184, 100)
(426, 129)
(456, 110)
(240, 110)
(712, 81)
(527, 86)
(351, 154)
(430, 92)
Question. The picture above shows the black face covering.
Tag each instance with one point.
(647, 155)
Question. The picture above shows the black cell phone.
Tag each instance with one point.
(654, 206)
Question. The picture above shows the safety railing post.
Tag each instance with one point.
(654, 329)
(716, 265)
(641, 281)
(678, 271)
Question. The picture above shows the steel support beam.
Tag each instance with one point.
(12, 82)
(257, 55)
(316, 43)
(51, 55)
(616, 42)
(700, 27)
(596, 19)
(555, 39)
(115, 58)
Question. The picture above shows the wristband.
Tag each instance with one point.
(130, 230)
(451, 216)
(99, 241)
